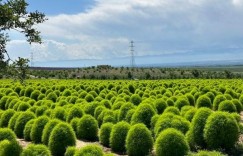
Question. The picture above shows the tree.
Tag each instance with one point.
(14, 16)
(20, 68)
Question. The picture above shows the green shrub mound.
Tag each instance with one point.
(172, 109)
(139, 141)
(217, 100)
(61, 137)
(34, 95)
(143, 114)
(74, 123)
(118, 136)
(207, 153)
(5, 117)
(195, 134)
(8, 148)
(40, 110)
(185, 109)
(181, 102)
(190, 98)
(51, 96)
(124, 110)
(7, 134)
(70, 151)
(23, 106)
(89, 108)
(88, 128)
(190, 114)
(170, 120)
(136, 99)
(90, 150)
(27, 129)
(171, 142)
(3, 101)
(104, 135)
(203, 101)
(59, 113)
(89, 98)
(227, 106)
(98, 111)
(13, 120)
(48, 129)
(221, 131)
(129, 115)
(36, 150)
(238, 105)
(21, 121)
(74, 112)
(37, 129)
(160, 105)
(154, 120)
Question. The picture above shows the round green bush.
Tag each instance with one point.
(172, 109)
(36, 150)
(74, 123)
(169, 120)
(5, 117)
(190, 114)
(74, 112)
(160, 105)
(90, 150)
(154, 119)
(104, 135)
(139, 141)
(217, 100)
(70, 151)
(34, 95)
(61, 137)
(21, 121)
(89, 98)
(13, 120)
(136, 99)
(238, 105)
(181, 102)
(118, 136)
(89, 108)
(48, 129)
(143, 114)
(227, 106)
(129, 115)
(124, 110)
(185, 109)
(37, 129)
(195, 134)
(27, 129)
(221, 131)
(8, 148)
(51, 96)
(59, 113)
(28, 91)
(190, 98)
(87, 128)
(3, 102)
(40, 110)
(171, 142)
(7, 134)
(98, 111)
(106, 103)
(203, 101)
(207, 153)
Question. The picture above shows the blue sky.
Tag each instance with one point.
(164, 31)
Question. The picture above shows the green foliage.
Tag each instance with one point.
(218, 99)
(74, 112)
(61, 137)
(37, 129)
(203, 101)
(90, 150)
(143, 114)
(169, 120)
(8, 148)
(160, 105)
(87, 128)
(136, 99)
(124, 110)
(195, 134)
(13, 120)
(139, 141)
(172, 109)
(70, 151)
(36, 150)
(5, 117)
(227, 106)
(34, 95)
(104, 135)
(51, 96)
(48, 129)
(221, 125)
(207, 153)
(7, 134)
(21, 121)
(238, 105)
(171, 142)
(181, 102)
(59, 113)
(190, 114)
(74, 123)
(27, 129)
(118, 136)
(89, 98)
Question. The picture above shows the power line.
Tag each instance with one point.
(132, 54)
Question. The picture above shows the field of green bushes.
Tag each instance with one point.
(135, 118)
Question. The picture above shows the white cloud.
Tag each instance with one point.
(157, 26)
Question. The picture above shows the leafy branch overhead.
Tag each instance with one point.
(14, 16)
